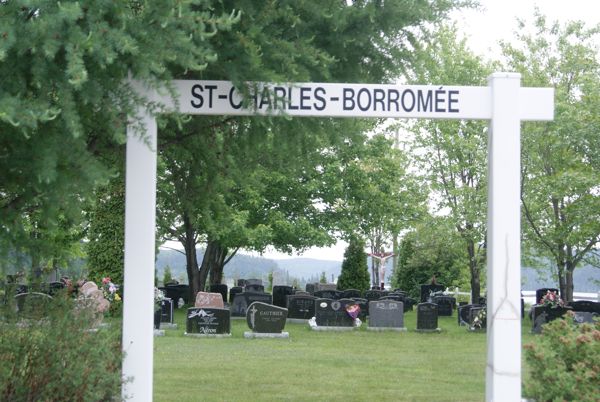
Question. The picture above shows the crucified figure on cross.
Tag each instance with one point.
(381, 260)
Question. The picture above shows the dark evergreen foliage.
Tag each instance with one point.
(355, 272)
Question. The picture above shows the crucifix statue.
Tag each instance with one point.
(381, 259)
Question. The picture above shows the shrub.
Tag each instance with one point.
(355, 272)
(564, 362)
(57, 358)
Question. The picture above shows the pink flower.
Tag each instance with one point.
(105, 280)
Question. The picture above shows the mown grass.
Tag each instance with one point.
(323, 366)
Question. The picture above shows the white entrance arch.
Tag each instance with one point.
(503, 102)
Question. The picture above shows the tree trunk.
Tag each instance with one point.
(216, 261)
(474, 270)
(196, 277)
(569, 287)
(395, 256)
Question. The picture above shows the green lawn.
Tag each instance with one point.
(323, 366)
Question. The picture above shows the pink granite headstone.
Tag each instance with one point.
(209, 300)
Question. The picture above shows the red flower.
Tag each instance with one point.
(105, 280)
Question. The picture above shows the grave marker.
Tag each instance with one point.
(301, 307)
(427, 317)
(386, 315)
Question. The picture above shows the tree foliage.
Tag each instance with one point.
(64, 96)
(560, 159)
(433, 248)
(355, 272)
(375, 196)
(257, 177)
(453, 153)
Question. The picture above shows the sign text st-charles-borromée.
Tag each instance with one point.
(338, 100)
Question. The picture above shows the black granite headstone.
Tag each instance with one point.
(427, 317)
(253, 287)
(364, 307)
(208, 321)
(55, 287)
(543, 314)
(585, 306)
(428, 291)
(328, 294)
(464, 313)
(393, 296)
(301, 307)
(245, 299)
(375, 294)
(332, 313)
(219, 288)
(234, 291)
(254, 282)
(386, 314)
(266, 318)
(445, 305)
(175, 292)
(241, 283)
(351, 293)
(409, 303)
(166, 311)
(310, 288)
(280, 294)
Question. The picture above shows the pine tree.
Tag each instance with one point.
(355, 272)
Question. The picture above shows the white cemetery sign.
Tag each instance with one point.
(503, 102)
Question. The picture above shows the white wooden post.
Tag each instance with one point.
(138, 286)
(503, 371)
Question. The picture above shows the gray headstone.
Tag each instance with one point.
(234, 291)
(266, 318)
(581, 317)
(386, 314)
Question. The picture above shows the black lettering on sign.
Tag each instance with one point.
(210, 89)
(393, 96)
(366, 104)
(439, 100)
(279, 96)
(408, 100)
(319, 103)
(290, 105)
(452, 100)
(378, 99)
(304, 98)
(265, 98)
(424, 104)
(348, 98)
(231, 103)
(196, 91)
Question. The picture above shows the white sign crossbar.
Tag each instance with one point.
(350, 100)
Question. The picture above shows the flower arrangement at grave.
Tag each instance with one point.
(159, 296)
(480, 320)
(552, 300)
(110, 292)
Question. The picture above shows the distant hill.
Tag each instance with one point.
(587, 278)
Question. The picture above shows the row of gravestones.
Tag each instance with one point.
(210, 317)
